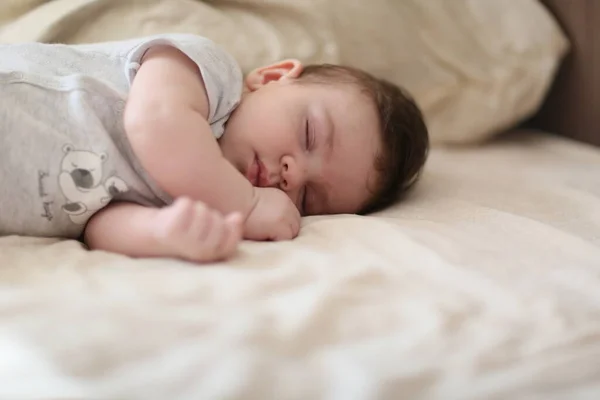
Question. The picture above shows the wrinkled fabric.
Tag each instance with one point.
(483, 284)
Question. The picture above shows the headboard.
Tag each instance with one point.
(573, 105)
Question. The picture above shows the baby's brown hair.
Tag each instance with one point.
(405, 139)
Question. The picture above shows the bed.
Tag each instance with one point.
(482, 284)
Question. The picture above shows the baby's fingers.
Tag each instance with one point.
(234, 228)
(215, 235)
(201, 223)
(291, 228)
(174, 219)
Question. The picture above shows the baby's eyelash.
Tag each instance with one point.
(307, 134)
(303, 205)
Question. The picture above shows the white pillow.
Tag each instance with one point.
(474, 66)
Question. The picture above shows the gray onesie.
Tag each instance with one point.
(64, 154)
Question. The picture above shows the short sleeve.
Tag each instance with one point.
(221, 74)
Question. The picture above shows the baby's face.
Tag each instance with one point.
(317, 142)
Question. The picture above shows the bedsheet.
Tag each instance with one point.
(483, 284)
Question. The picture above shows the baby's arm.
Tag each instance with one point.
(166, 124)
(186, 229)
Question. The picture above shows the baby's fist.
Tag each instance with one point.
(275, 217)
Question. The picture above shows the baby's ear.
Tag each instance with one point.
(282, 70)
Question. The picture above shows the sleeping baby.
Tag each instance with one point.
(157, 147)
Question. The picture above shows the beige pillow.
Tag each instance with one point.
(475, 66)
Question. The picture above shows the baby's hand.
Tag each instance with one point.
(194, 232)
(275, 217)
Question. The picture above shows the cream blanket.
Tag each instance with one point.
(483, 285)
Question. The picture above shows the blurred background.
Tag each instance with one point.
(476, 67)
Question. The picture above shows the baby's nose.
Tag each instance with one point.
(285, 183)
(290, 176)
